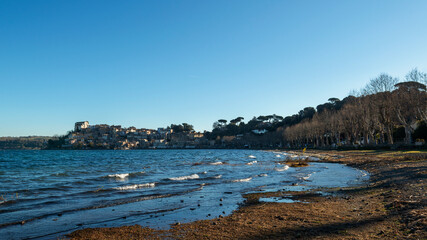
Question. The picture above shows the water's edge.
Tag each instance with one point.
(151, 188)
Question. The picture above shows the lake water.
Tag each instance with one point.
(46, 194)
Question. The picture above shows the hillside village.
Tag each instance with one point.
(386, 114)
(103, 136)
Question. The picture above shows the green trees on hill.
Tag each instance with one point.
(185, 127)
(56, 143)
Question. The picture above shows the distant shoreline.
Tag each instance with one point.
(342, 148)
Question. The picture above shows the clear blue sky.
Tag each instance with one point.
(153, 63)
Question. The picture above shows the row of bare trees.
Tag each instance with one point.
(370, 118)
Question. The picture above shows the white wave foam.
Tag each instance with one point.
(284, 168)
(121, 175)
(251, 156)
(306, 177)
(297, 157)
(216, 163)
(250, 163)
(192, 176)
(125, 175)
(136, 186)
(243, 180)
(218, 176)
(278, 155)
(263, 175)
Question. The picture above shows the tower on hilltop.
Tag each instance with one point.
(81, 125)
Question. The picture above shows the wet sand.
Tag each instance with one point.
(391, 206)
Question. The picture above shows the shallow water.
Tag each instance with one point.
(56, 192)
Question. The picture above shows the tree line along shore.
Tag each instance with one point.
(386, 113)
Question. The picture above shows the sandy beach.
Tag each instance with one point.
(392, 205)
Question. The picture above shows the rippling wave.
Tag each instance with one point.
(58, 191)
(182, 178)
(136, 186)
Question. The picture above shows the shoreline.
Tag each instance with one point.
(391, 205)
(344, 148)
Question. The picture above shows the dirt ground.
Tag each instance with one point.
(391, 206)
